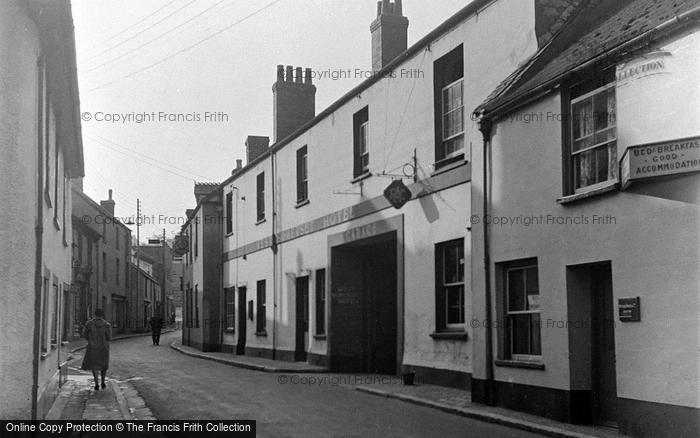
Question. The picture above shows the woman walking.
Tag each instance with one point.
(98, 333)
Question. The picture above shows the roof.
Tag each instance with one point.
(600, 28)
(54, 21)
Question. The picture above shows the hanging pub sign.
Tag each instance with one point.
(397, 194)
(629, 309)
(181, 245)
(660, 159)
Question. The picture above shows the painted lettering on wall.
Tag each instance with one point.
(649, 64)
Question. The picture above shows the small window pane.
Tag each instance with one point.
(516, 293)
(455, 305)
(535, 341)
(520, 334)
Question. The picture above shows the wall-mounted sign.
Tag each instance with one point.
(629, 309)
(397, 194)
(660, 159)
(649, 64)
(181, 245)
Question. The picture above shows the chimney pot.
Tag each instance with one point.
(308, 79)
(298, 79)
(239, 164)
(280, 73)
(110, 194)
(289, 74)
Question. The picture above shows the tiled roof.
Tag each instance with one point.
(584, 40)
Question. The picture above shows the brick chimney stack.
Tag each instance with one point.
(108, 204)
(294, 100)
(389, 33)
(254, 146)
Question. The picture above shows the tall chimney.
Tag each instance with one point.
(389, 33)
(108, 204)
(254, 146)
(294, 100)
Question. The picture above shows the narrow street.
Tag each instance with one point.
(176, 386)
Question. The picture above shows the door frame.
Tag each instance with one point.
(360, 230)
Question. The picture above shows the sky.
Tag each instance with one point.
(170, 89)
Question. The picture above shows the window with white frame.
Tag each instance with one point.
(453, 118)
(361, 142)
(449, 107)
(594, 138)
(523, 312)
(302, 175)
(449, 270)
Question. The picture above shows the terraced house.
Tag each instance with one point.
(40, 152)
(590, 247)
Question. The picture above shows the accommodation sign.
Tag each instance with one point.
(660, 159)
(629, 309)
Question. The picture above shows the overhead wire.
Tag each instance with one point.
(190, 47)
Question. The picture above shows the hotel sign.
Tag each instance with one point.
(660, 159)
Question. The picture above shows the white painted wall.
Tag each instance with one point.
(654, 243)
(401, 121)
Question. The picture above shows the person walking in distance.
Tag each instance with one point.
(156, 326)
(98, 333)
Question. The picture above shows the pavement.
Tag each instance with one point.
(78, 400)
(450, 400)
(250, 363)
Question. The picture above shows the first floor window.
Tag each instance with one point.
(302, 175)
(523, 312)
(453, 118)
(593, 138)
(321, 302)
(448, 89)
(230, 308)
(449, 275)
(260, 318)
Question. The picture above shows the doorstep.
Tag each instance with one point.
(248, 362)
(457, 401)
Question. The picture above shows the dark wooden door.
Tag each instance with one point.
(302, 318)
(603, 348)
(242, 321)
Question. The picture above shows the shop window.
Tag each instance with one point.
(449, 107)
(522, 312)
(449, 275)
(321, 302)
(361, 142)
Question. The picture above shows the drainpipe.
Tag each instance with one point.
(485, 128)
(273, 157)
(38, 236)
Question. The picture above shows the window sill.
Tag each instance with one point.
(65, 244)
(230, 330)
(45, 354)
(519, 364)
(262, 334)
(56, 224)
(447, 164)
(360, 177)
(300, 204)
(261, 221)
(228, 234)
(449, 335)
(612, 186)
(320, 337)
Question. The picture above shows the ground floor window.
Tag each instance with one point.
(449, 288)
(230, 308)
(196, 305)
(522, 296)
(321, 302)
(260, 319)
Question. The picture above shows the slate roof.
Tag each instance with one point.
(598, 27)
